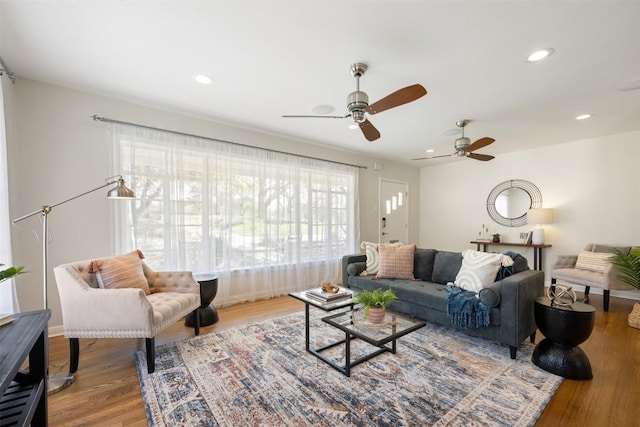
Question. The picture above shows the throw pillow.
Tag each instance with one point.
(423, 264)
(593, 261)
(479, 269)
(446, 266)
(395, 262)
(123, 271)
(371, 250)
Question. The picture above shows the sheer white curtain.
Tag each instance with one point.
(265, 223)
(8, 299)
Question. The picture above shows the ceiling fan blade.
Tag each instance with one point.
(434, 157)
(399, 97)
(302, 116)
(482, 157)
(369, 130)
(482, 142)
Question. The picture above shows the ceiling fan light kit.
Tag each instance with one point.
(358, 103)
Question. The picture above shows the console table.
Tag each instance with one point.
(23, 396)
(537, 249)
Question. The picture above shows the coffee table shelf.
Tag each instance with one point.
(378, 335)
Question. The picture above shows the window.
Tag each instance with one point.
(223, 208)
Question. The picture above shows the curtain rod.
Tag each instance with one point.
(107, 120)
(5, 69)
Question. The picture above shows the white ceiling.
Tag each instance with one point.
(269, 58)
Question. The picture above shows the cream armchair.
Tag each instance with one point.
(90, 311)
(590, 268)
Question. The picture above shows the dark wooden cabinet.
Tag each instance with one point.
(23, 396)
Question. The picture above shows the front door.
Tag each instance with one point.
(394, 211)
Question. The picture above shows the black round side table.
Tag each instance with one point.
(564, 329)
(207, 312)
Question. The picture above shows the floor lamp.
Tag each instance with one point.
(118, 192)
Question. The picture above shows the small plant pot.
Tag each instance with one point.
(496, 239)
(376, 314)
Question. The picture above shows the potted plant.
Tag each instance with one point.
(374, 303)
(629, 265)
(10, 272)
(496, 238)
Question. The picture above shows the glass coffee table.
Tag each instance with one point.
(325, 306)
(354, 326)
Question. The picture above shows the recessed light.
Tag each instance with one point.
(583, 116)
(430, 150)
(539, 55)
(203, 79)
(323, 109)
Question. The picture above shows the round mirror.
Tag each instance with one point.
(513, 203)
(509, 202)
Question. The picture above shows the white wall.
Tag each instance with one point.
(592, 185)
(55, 151)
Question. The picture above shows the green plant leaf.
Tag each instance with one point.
(10, 272)
(377, 298)
(629, 266)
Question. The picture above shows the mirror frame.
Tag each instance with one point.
(528, 187)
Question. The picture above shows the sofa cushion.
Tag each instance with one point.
(593, 261)
(479, 269)
(355, 268)
(423, 264)
(371, 251)
(395, 262)
(491, 295)
(123, 271)
(446, 266)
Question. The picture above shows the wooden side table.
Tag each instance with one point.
(537, 249)
(564, 329)
(23, 396)
(207, 312)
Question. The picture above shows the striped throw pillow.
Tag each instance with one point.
(593, 261)
(124, 271)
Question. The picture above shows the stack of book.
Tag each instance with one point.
(326, 297)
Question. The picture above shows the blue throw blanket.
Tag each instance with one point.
(465, 310)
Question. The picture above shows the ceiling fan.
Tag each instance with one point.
(464, 147)
(358, 103)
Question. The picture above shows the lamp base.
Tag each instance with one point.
(56, 382)
(537, 236)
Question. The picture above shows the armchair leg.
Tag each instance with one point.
(532, 337)
(605, 299)
(74, 354)
(151, 354)
(513, 350)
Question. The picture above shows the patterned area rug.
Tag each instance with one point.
(260, 375)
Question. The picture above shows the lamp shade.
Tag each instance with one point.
(120, 191)
(540, 216)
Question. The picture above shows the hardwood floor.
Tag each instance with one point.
(106, 390)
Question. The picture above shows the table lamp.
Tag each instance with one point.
(539, 216)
